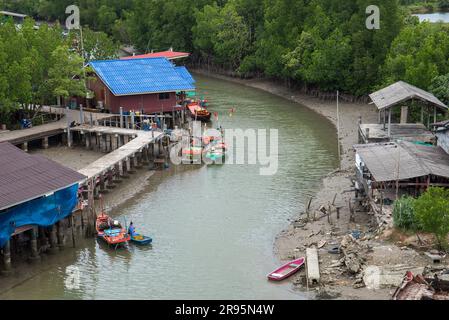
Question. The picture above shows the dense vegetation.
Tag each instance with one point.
(40, 66)
(320, 44)
(428, 213)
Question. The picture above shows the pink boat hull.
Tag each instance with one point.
(286, 270)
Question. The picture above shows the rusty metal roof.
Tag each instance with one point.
(403, 160)
(24, 177)
(400, 92)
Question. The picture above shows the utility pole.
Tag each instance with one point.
(338, 130)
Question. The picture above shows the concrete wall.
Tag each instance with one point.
(149, 103)
(443, 140)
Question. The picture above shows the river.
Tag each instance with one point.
(213, 227)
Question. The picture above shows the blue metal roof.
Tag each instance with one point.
(185, 74)
(142, 76)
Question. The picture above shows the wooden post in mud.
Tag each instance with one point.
(7, 258)
(53, 239)
(60, 234)
(308, 208)
(33, 244)
(72, 225)
(91, 216)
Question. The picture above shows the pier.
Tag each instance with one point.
(123, 146)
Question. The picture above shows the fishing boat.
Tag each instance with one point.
(141, 239)
(111, 231)
(286, 270)
(198, 112)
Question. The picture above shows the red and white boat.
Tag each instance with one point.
(287, 270)
(198, 112)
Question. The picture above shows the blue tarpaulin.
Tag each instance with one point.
(42, 212)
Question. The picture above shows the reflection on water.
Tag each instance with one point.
(213, 227)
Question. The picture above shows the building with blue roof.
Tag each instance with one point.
(149, 84)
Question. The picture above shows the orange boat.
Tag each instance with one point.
(199, 113)
(111, 231)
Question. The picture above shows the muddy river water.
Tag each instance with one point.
(213, 226)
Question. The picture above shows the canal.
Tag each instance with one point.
(213, 227)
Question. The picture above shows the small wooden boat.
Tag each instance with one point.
(110, 231)
(141, 240)
(199, 113)
(286, 270)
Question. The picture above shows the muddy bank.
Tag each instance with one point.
(342, 273)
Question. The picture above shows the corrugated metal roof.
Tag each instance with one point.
(142, 76)
(403, 160)
(24, 177)
(185, 74)
(400, 92)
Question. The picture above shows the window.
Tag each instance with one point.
(164, 96)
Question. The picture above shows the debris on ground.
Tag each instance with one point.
(420, 288)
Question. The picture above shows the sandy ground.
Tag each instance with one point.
(375, 250)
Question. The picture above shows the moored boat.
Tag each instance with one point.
(199, 113)
(286, 270)
(141, 239)
(111, 231)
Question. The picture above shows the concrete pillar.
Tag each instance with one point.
(125, 139)
(53, 239)
(69, 134)
(88, 140)
(128, 164)
(389, 123)
(404, 114)
(121, 117)
(434, 114)
(422, 114)
(25, 146)
(7, 267)
(367, 135)
(81, 115)
(45, 143)
(102, 184)
(33, 244)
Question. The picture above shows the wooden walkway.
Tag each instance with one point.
(142, 140)
(50, 129)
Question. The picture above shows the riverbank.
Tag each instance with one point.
(338, 281)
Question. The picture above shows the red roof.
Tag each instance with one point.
(170, 55)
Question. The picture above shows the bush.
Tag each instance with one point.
(404, 214)
(432, 213)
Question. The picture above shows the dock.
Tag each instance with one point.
(45, 131)
(125, 147)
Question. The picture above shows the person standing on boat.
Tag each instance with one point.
(131, 229)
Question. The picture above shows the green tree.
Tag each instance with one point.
(418, 55)
(404, 214)
(66, 75)
(432, 212)
(440, 88)
(97, 45)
